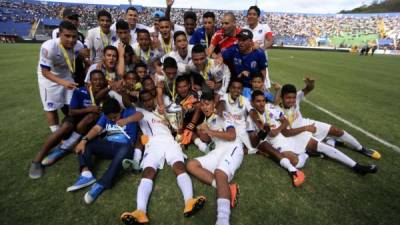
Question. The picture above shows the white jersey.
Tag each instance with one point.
(215, 72)
(293, 114)
(164, 48)
(132, 31)
(260, 32)
(110, 76)
(217, 123)
(55, 32)
(146, 57)
(96, 41)
(154, 125)
(52, 58)
(237, 110)
(183, 63)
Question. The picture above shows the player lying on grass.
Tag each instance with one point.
(120, 128)
(218, 167)
(160, 146)
(282, 138)
(291, 99)
(83, 113)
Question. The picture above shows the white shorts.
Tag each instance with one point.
(290, 144)
(226, 158)
(244, 138)
(54, 96)
(161, 149)
(322, 129)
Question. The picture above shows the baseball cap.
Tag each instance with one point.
(245, 34)
(69, 13)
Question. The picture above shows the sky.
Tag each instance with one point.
(303, 6)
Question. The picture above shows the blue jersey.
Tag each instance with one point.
(199, 37)
(247, 92)
(254, 62)
(113, 131)
(80, 99)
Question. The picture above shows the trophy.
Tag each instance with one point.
(174, 115)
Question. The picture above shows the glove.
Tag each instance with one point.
(144, 139)
(186, 137)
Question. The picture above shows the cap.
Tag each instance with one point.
(158, 14)
(245, 34)
(69, 13)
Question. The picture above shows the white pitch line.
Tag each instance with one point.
(378, 139)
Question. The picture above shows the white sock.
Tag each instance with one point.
(71, 141)
(285, 163)
(200, 144)
(87, 173)
(185, 184)
(352, 141)
(54, 128)
(137, 155)
(144, 190)
(302, 160)
(223, 210)
(335, 154)
(214, 183)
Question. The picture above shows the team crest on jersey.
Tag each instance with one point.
(114, 38)
(253, 64)
(50, 104)
(237, 61)
(259, 31)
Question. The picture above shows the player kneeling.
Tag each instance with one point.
(161, 146)
(218, 167)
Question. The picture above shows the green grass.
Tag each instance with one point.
(364, 90)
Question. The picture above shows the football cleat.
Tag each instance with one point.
(362, 170)
(235, 193)
(371, 153)
(193, 205)
(131, 165)
(298, 178)
(136, 217)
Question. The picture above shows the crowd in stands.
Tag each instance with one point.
(289, 28)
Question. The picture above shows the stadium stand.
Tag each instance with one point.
(290, 29)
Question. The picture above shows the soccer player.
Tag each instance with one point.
(141, 70)
(100, 37)
(183, 52)
(284, 138)
(120, 127)
(165, 38)
(73, 17)
(226, 37)
(189, 101)
(291, 107)
(143, 49)
(131, 17)
(107, 65)
(245, 59)
(83, 111)
(160, 147)
(216, 76)
(123, 34)
(189, 20)
(262, 33)
(166, 84)
(218, 167)
(257, 83)
(55, 68)
(204, 34)
(237, 108)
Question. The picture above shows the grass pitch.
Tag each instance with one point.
(363, 90)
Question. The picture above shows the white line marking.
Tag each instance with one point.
(380, 140)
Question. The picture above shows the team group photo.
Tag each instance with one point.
(214, 112)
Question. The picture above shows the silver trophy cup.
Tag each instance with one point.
(174, 115)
